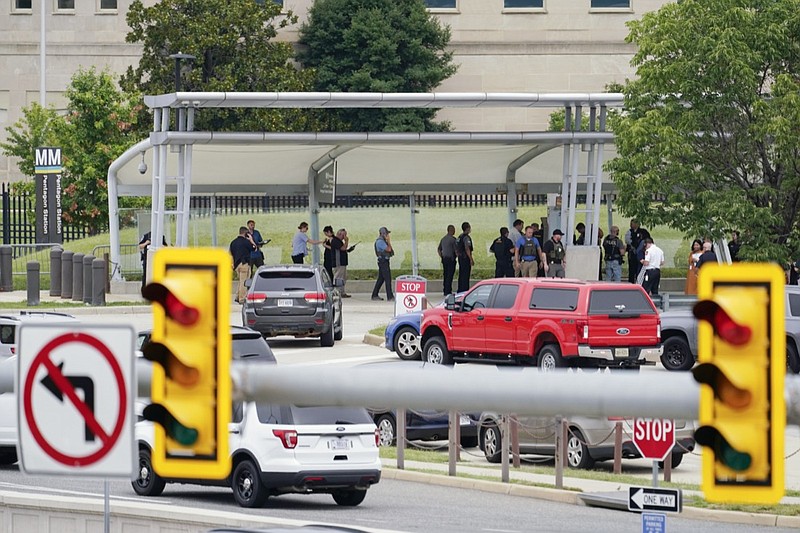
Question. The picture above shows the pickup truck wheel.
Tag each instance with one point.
(550, 357)
(436, 352)
(792, 359)
(677, 355)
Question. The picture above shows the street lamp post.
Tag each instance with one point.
(178, 57)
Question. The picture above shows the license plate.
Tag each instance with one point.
(621, 352)
(465, 420)
(285, 303)
(340, 444)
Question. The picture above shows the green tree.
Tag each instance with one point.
(712, 123)
(37, 127)
(234, 48)
(99, 126)
(377, 46)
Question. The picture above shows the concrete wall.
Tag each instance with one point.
(41, 513)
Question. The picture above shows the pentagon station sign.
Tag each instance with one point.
(47, 167)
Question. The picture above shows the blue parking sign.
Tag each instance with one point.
(654, 523)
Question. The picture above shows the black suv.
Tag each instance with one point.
(297, 300)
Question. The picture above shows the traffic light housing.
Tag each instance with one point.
(742, 365)
(191, 346)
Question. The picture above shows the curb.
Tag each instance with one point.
(373, 340)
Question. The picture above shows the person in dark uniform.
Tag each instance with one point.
(143, 244)
(447, 253)
(503, 250)
(465, 260)
(384, 252)
(240, 249)
(634, 238)
(555, 255)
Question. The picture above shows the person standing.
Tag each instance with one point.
(143, 244)
(465, 260)
(515, 234)
(331, 249)
(300, 243)
(633, 238)
(256, 256)
(384, 251)
(528, 253)
(503, 250)
(652, 263)
(734, 245)
(241, 248)
(555, 256)
(447, 253)
(341, 260)
(579, 238)
(691, 273)
(708, 256)
(613, 248)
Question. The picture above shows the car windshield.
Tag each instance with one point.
(618, 301)
(285, 280)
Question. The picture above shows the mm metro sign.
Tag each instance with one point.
(654, 437)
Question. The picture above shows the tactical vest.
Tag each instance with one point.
(528, 248)
(611, 249)
(557, 253)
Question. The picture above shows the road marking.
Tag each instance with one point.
(29, 488)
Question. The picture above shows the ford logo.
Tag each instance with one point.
(623, 331)
(340, 428)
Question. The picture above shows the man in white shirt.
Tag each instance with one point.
(515, 234)
(652, 263)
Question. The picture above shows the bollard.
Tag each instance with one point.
(77, 277)
(6, 269)
(55, 270)
(32, 270)
(66, 274)
(99, 282)
(618, 447)
(87, 278)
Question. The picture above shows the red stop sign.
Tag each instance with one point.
(654, 437)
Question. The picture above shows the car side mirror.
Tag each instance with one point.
(450, 302)
(248, 282)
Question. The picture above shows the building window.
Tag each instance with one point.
(22, 5)
(65, 5)
(107, 5)
(440, 4)
(624, 4)
(523, 4)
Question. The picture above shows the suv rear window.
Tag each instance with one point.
(252, 348)
(555, 299)
(286, 280)
(329, 415)
(619, 302)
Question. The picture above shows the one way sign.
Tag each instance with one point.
(652, 499)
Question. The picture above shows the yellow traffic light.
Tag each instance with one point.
(742, 365)
(191, 344)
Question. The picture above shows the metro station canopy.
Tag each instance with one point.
(368, 163)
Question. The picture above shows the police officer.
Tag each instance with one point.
(555, 254)
(465, 260)
(527, 253)
(384, 252)
(613, 248)
(503, 250)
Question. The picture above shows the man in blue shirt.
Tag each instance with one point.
(256, 256)
(384, 251)
(527, 254)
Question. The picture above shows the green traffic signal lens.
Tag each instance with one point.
(181, 434)
(734, 459)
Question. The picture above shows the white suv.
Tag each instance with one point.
(280, 449)
(9, 324)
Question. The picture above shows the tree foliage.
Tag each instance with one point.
(97, 128)
(234, 45)
(712, 123)
(377, 46)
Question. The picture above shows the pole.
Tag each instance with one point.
(655, 473)
(42, 56)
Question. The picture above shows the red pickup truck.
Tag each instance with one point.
(548, 322)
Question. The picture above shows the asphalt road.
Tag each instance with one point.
(391, 504)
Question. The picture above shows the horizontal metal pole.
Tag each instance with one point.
(475, 388)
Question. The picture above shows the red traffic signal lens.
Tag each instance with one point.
(174, 308)
(725, 327)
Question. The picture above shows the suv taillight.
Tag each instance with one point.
(288, 437)
(256, 297)
(582, 329)
(314, 297)
(377, 437)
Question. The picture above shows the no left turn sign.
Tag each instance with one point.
(75, 394)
